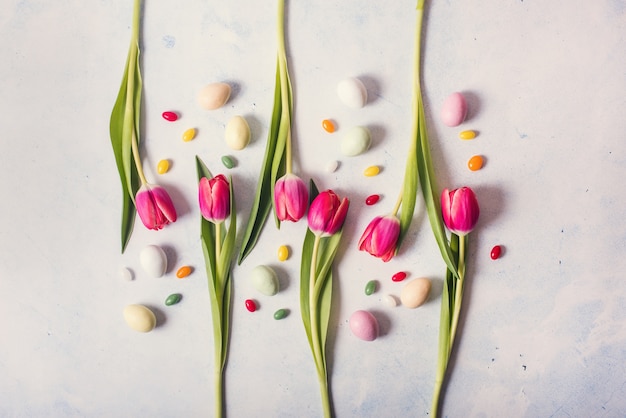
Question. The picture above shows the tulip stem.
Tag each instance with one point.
(218, 240)
(284, 82)
(458, 296)
(396, 208)
(137, 159)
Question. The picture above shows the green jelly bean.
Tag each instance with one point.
(228, 161)
(281, 313)
(173, 299)
(370, 287)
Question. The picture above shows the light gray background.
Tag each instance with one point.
(544, 327)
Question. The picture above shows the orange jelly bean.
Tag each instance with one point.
(328, 126)
(475, 163)
(183, 272)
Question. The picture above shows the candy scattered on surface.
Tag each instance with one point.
(465, 135)
(352, 92)
(283, 253)
(189, 134)
(237, 134)
(153, 260)
(496, 251)
(183, 272)
(454, 110)
(250, 305)
(390, 300)
(173, 299)
(475, 163)
(280, 314)
(163, 166)
(370, 287)
(332, 166)
(265, 280)
(364, 325)
(372, 199)
(228, 161)
(170, 116)
(126, 273)
(213, 96)
(399, 276)
(139, 318)
(371, 171)
(328, 126)
(415, 292)
(356, 141)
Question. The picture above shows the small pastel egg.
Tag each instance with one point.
(126, 273)
(352, 92)
(153, 260)
(265, 280)
(139, 318)
(189, 134)
(214, 95)
(356, 141)
(332, 166)
(454, 110)
(237, 133)
(390, 300)
(415, 292)
(364, 325)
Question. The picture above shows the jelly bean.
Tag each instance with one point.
(496, 251)
(173, 299)
(328, 126)
(183, 272)
(170, 116)
(467, 135)
(475, 163)
(399, 276)
(228, 161)
(372, 199)
(371, 171)
(370, 287)
(250, 305)
(332, 166)
(163, 166)
(283, 253)
(189, 134)
(280, 314)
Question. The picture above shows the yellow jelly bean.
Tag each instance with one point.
(371, 171)
(163, 166)
(467, 135)
(283, 253)
(475, 163)
(189, 134)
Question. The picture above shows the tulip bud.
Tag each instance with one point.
(290, 198)
(214, 198)
(154, 206)
(380, 237)
(460, 210)
(327, 213)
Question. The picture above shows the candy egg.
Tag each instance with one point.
(213, 96)
(139, 318)
(352, 92)
(265, 280)
(356, 141)
(364, 325)
(454, 110)
(237, 133)
(153, 260)
(415, 292)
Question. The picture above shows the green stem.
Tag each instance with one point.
(219, 389)
(458, 296)
(396, 207)
(218, 244)
(284, 82)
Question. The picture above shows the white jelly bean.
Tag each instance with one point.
(352, 92)
(454, 110)
(139, 318)
(213, 96)
(415, 292)
(364, 325)
(153, 260)
(356, 141)
(265, 280)
(237, 133)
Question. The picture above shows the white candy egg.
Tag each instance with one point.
(352, 92)
(139, 318)
(364, 325)
(265, 280)
(356, 141)
(153, 260)
(415, 292)
(237, 133)
(213, 96)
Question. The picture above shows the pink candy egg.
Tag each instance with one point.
(364, 325)
(454, 110)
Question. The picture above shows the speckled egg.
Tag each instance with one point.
(213, 96)
(454, 110)
(364, 325)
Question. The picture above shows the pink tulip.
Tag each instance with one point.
(327, 213)
(154, 206)
(460, 210)
(380, 237)
(214, 198)
(290, 198)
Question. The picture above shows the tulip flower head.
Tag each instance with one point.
(327, 213)
(380, 237)
(214, 198)
(154, 206)
(290, 198)
(460, 210)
